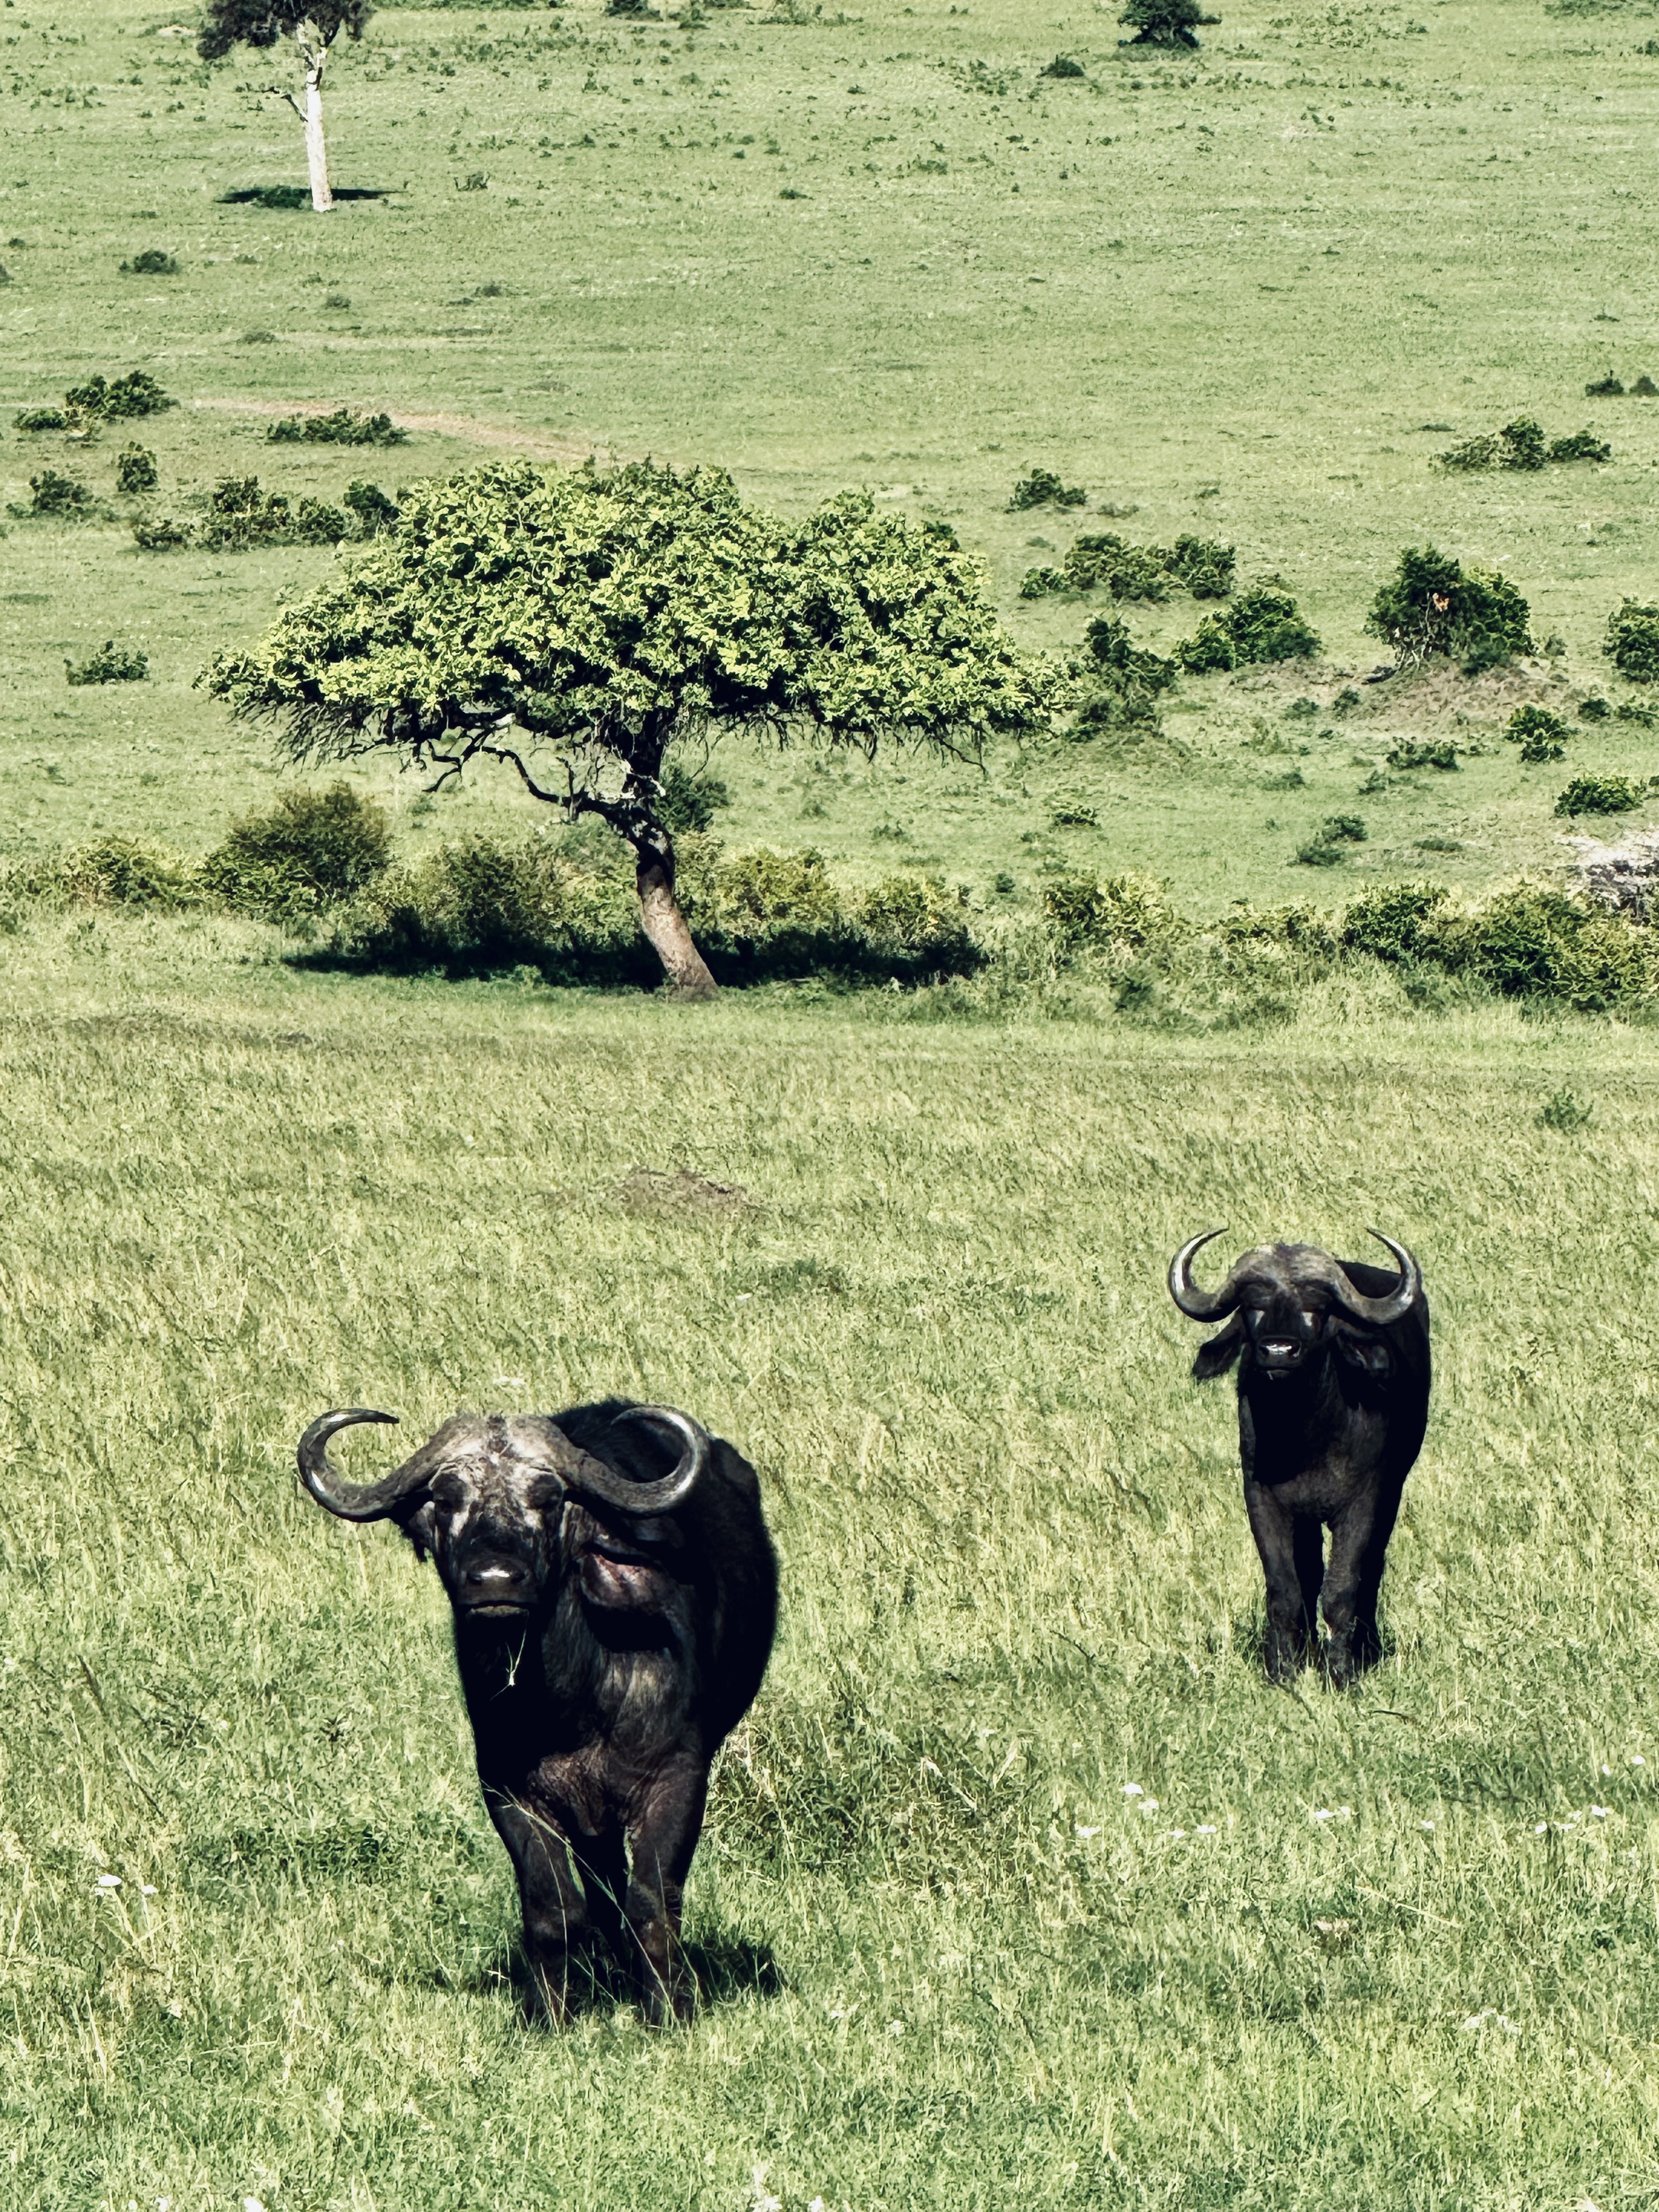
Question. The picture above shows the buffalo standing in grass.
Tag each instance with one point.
(1332, 1402)
(615, 1597)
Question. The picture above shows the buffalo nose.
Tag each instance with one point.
(492, 1578)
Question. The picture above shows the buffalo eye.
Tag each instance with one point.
(449, 1494)
(1312, 1319)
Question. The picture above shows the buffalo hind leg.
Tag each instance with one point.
(661, 1837)
(1276, 1531)
(556, 1920)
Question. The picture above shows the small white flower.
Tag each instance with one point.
(1587, 2204)
(1087, 1833)
(1203, 1829)
(510, 1383)
(1133, 1789)
(1542, 1828)
(1148, 1806)
(818, 2204)
(1598, 1812)
(764, 2200)
(1324, 1813)
(1345, 1811)
(895, 2027)
(1608, 1771)
(109, 1881)
(1427, 1826)
(253, 2203)
(147, 1889)
(1177, 1835)
(1637, 1759)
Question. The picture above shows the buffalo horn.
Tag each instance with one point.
(1394, 1303)
(604, 1482)
(373, 1501)
(1196, 1305)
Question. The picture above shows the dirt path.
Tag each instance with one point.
(539, 445)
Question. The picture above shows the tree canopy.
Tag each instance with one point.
(227, 23)
(575, 625)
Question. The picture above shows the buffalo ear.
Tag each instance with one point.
(1216, 1356)
(420, 1527)
(1369, 1353)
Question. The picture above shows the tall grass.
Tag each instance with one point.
(916, 1272)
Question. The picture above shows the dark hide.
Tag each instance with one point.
(604, 1656)
(1331, 1415)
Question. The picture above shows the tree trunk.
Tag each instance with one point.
(316, 149)
(664, 926)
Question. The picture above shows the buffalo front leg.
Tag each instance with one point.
(1353, 1584)
(662, 1836)
(557, 1919)
(1275, 1530)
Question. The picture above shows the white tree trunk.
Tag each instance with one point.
(316, 148)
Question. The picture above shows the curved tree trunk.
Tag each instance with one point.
(664, 926)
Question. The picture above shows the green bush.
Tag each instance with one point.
(310, 850)
(160, 533)
(342, 428)
(1424, 752)
(58, 498)
(1204, 565)
(41, 418)
(1043, 487)
(1605, 388)
(154, 261)
(1594, 709)
(1128, 572)
(1320, 853)
(1521, 444)
(1633, 641)
(241, 515)
(1261, 624)
(1038, 583)
(119, 872)
(1541, 735)
(1394, 922)
(1432, 605)
(118, 398)
(690, 801)
(1063, 66)
(1129, 913)
(136, 471)
(1165, 22)
(374, 511)
(1600, 794)
(1535, 941)
(110, 664)
(1581, 445)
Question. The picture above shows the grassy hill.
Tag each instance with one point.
(1020, 1886)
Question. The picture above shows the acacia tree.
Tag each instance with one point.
(575, 627)
(314, 29)
(1165, 22)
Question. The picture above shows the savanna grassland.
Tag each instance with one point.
(1020, 1886)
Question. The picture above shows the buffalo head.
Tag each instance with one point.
(1286, 1304)
(488, 1496)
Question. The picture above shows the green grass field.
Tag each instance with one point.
(1021, 1886)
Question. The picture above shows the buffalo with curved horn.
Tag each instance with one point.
(615, 1597)
(1333, 1376)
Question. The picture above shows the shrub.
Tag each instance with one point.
(1564, 1112)
(315, 523)
(123, 872)
(310, 850)
(1393, 922)
(1063, 66)
(1632, 641)
(1541, 735)
(136, 471)
(154, 261)
(688, 801)
(1581, 445)
(60, 498)
(1204, 565)
(1343, 829)
(1126, 914)
(1424, 752)
(1321, 853)
(1533, 940)
(1481, 452)
(135, 394)
(240, 514)
(1128, 572)
(1521, 444)
(1593, 709)
(1261, 624)
(342, 428)
(1037, 583)
(1165, 22)
(1606, 387)
(41, 418)
(110, 664)
(373, 510)
(160, 533)
(1043, 487)
(1074, 814)
(1633, 710)
(1432, 605)
(1645, 388)
(1600, 794)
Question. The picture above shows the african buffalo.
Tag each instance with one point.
(615, 1597)
(1332, 1402)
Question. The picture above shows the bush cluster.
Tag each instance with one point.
(1165, 22)
(1633, 644)
(1198, 565)
(100, 399)
(152, 261)
(1523, 444)
(1043, 487)
(1541, 735)
(1609, 387)
(136, 471)
(342, 428)
(54, 497)
(1328, 847)
(110, 664)
(1433, 605)
(1601, 794)
(239, 515)
(1121, 682)
(1424, 752)
(310, 851)
(1261, 624)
